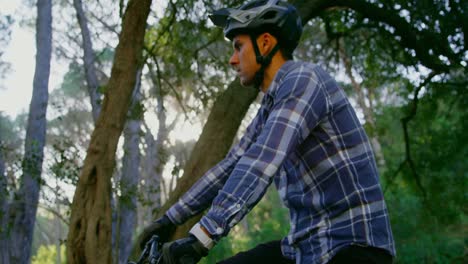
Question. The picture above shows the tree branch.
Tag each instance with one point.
(57, 214)
(111, 28)
(412, 38)
(157, 81)
(404, 121)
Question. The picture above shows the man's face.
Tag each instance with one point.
(243, 59)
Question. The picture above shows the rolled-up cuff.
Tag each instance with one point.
(216, 231)
(204, 239)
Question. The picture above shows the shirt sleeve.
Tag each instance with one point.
(299, 104)
(201, 194)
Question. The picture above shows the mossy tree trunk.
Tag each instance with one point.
(89, 237)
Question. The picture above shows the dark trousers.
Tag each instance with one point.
(271, 253)
(364, 255)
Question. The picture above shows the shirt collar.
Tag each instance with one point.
(285, 68)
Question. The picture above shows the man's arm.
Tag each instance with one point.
(201, 194)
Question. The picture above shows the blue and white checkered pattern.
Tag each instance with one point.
(307, 139)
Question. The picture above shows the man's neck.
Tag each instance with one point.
(271, 71)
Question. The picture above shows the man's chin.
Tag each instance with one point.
(246, 82)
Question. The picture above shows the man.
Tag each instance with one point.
(307, 139)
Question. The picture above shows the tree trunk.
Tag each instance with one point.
(2, 171)
(58, 226)
(89, 237)
(158, 158)
(149, 190)
(130, 176)
(88, 59)
(24, 207)
(4, 202)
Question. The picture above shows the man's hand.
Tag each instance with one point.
(162, 227)
(183, 251)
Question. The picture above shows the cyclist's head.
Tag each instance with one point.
(276, 17)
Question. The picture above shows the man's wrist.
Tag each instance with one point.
(206, 231)
(202, 235)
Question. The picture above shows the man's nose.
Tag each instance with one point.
(234, 59)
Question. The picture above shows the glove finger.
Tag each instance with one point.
(167, 257)
(146, 236)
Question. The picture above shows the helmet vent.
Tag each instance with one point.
(269, 15)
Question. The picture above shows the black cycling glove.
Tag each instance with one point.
(183, 251)
(162, 227)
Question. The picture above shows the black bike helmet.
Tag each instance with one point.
(274, 16)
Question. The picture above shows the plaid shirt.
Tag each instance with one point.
(307, 139)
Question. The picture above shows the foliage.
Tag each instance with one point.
(48, 230)
(425, 217)
(419, 237)
(5, 35)
(48, 254)
(11, 146)
(189, 55)
(266, 222)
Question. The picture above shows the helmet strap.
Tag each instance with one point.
(264, 61)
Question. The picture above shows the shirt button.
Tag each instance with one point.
(219, 230)
(238, 206)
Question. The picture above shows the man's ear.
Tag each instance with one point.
(266, 43)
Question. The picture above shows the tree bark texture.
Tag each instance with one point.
(88, 59)
(24, 207)
(89, 237)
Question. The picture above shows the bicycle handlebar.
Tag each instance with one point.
(150, 252)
